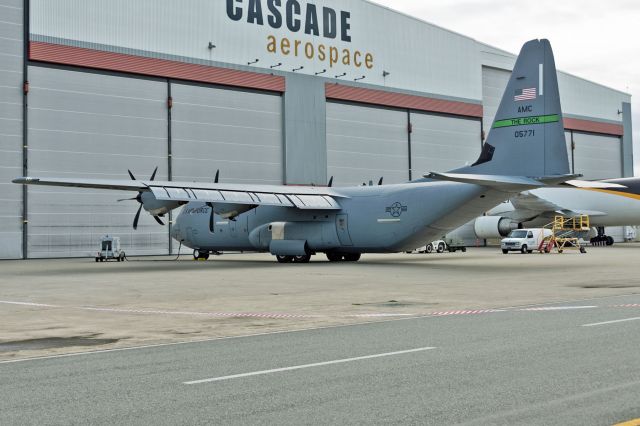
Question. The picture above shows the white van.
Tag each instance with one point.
(524, 240)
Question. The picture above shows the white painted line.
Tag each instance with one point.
(300, 367)
(611, 322)
(40, 305)
(541, 78)
(559, 308)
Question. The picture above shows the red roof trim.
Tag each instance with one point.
(97, 59)
(401, 100)
(593, 126)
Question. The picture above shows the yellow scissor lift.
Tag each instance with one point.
(566, 234)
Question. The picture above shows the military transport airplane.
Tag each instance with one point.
(524, 150)
(615, 203)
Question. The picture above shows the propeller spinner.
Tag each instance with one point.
(138, 198)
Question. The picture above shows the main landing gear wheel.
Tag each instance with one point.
(200, 254)
(429, 248)
(440, 248)
(352, 257)
(284, 259)
(302, 259)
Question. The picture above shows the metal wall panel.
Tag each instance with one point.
(441, 143)
(97, 126)
(597, 156)
(494, 83)
(366, 143)
(305, 111)
(567, 137)
(238, 132)
(11, 63)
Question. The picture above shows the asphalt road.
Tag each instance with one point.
(569, 364)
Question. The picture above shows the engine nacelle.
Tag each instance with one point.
(493, 227)
(157, 207)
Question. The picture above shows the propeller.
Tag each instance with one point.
(138, 198)
(217, 179)
(330, 182)
(211, 219)
(380, 181)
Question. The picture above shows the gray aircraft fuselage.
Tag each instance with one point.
(373, 219)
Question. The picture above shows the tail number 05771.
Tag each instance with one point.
(525, 133)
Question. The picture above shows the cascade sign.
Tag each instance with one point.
(303, 18)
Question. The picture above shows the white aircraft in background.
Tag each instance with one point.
(615, 203)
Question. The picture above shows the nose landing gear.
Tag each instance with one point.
(343, 257)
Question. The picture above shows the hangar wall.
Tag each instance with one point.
(11, 110)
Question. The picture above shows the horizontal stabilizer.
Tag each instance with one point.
(593, 184)
(500, 183)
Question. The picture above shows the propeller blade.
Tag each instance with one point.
(132, 176)
(153, 176)
(380, 181)
(135, 220)
(217, 179)
(128, 199)
(211, 219)
(330, 182)
(159, 220)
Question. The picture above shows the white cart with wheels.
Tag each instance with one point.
(110, 250)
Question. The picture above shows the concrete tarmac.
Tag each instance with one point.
(561, 364)
(70, 305)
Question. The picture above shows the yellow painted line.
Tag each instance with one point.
(635, 422)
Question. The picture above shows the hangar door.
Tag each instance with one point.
(10, 128)
(440, 143)
(238, 132)
(494, 82)
(597, 156)
(365, 143)
(93, 126)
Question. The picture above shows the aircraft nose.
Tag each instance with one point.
(177, 228)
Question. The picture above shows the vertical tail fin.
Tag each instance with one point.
(527, 135)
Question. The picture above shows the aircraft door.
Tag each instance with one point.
(342, 226)
(239, 226)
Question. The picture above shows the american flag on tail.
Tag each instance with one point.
(525, 94)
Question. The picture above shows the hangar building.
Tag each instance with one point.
(267, 91)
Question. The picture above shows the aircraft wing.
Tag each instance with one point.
(304, 198)
(529, 202)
